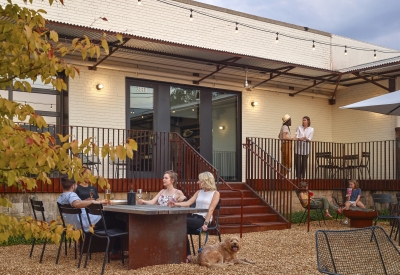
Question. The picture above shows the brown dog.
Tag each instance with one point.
(222, 254)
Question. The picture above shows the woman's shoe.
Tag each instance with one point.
(345, 222)
(328, 215)
(188, 260)
(340, 211)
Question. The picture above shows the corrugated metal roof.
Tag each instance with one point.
(377, 65)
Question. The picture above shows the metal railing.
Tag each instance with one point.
(330, 165)
(266, 176)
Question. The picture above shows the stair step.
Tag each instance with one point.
(235, 194)
(247, 218)
(233, 185)
(237, 201)
(255, 227)
(249, 209)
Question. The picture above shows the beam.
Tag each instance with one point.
(232, 60)
(272, 77)
(332, 101)
(94, 67)
(372, 81)
(315, 84)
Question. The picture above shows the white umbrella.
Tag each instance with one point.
(388, 104)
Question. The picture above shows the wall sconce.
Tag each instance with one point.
(99, 86)
(221, 127)
(254, 103)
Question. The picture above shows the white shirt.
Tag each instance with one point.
(203, 200)
(303, 147)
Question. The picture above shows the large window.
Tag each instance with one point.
(224, 121)
(141, 108)
(185, 108)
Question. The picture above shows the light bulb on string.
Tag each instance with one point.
(313, 45)
(139, 2)
(345, 50)
(236, 29)
(374, 54)
(191, 15)
(277, 38)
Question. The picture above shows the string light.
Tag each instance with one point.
(237, 29)
(374, 54)
(191, 15)
(277, 38)
(313, 45)
(139, 2)
(253, 27)
(345, 50)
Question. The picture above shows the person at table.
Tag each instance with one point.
(170, 192)
(321, 202)
(304, 135)
(70, 197)
(206, 198)
(286, 146)
(84, 190)
(353, 198)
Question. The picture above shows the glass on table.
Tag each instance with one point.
(108, 195)
(139, 193)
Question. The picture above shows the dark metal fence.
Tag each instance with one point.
(157, 152)
(329, 165)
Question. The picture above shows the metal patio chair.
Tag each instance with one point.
(364, 251)
(38, 206)
(304, 204)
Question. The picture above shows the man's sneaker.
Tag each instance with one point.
(345, 222)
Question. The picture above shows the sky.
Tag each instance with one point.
(373, 21)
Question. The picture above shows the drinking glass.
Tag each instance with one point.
(139, 193)
(108, 195)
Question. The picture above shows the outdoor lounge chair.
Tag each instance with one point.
(304, 204)
(364, 251)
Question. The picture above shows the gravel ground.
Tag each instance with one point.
(289, 251)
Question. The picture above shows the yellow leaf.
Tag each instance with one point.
(129, 151)
(133, 144)
(28, 31)
(4, 237)
(74, 147)
(121, 152)
(77, 235)
(63, 138)
(54, 35)
(91, 229)
(104, 44)
(119, 37)
(96, 150)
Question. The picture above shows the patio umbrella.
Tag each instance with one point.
(388, 104)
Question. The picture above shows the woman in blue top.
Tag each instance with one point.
(353, 199)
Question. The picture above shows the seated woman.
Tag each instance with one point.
(83, 190)
(169, 181)
(207, 198)
(353, 199)
(317, 202)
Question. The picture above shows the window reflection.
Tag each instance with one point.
(185, 110)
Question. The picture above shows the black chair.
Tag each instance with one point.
(351, 163)
(379, 201)
(364, 251)
(66, 209)
(323, 161)
(364, 164)
(304, 204)
(212, 226)
(97, 210)
(63, 237)
(38, 206)
(339, 200)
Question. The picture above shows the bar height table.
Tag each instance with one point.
(157, 234)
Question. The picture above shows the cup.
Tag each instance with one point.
(311, 193)
(171, 200)
(139, 193)
(108, 195)
(349, 191)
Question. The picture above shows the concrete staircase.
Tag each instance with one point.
(257, 215)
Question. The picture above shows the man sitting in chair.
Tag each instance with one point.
(316, 202)
(70, 197)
